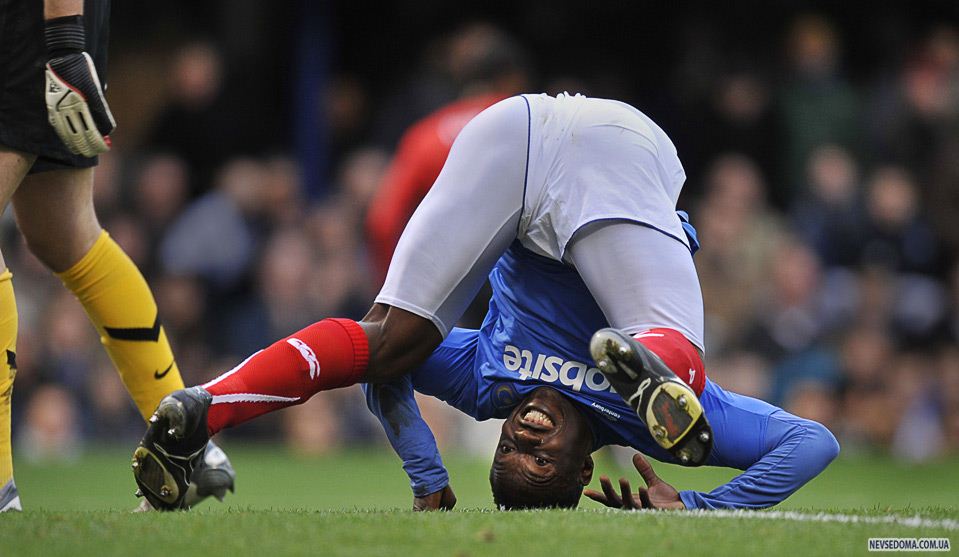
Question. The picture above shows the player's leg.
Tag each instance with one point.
(643, 279)
(454, 238)
(55, 213)
(13, 167)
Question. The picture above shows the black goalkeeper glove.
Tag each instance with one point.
(75, 104)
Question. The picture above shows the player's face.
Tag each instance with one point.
(544, 438)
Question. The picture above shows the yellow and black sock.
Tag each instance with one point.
(8, 370)
(119, 302)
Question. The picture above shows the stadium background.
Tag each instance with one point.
(820, 142)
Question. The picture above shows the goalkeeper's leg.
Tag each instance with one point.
(13, 167)
(9, 498)
(55, 213)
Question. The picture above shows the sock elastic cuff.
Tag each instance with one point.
(6, 275)
(65, 35)
(361, 345)
(88, 261)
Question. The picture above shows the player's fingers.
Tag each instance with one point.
(629, 501)
(610, 492)
(60, 125)
(645, 469)
(644, 498)
(70, 132)
(596, 496)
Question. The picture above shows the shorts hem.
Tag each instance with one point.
(414, 309)
(614, 217)
(45, 159)
(633, 330)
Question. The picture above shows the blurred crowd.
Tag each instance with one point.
(825, 199)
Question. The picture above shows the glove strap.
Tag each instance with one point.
(65, 35)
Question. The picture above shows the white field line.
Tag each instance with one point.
(898, 520)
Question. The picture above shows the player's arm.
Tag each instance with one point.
(411, 438)
(778, 451)
(793, 451)
(76, 107)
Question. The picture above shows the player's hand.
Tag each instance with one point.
(442, 500)
(656, 495)
(76, 107)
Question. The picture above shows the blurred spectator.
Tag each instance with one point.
(793, 322)
(740, 119)
(203, 122)
(347, 113)
(182, 301)
(360, 177)
(69, 344)
(214, 237)
(919, 120)
(920, 434)
(867, 353)
(818, 105)
(49, 431)
(282, 201)
(828, 216)
(108, 410)
(739, 235)
(106, 183)
(947, 388)
(743, 372)
(311, 428)
(952, 324)
(279, 305)
(161, 191)
(814, 400)
(898, 236)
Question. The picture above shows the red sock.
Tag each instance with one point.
(678, 354)
(326, 355)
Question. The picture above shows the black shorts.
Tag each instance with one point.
(23, 54)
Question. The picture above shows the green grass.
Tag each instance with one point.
(355, 503)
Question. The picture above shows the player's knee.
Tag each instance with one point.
(44, 250)
(58, 251)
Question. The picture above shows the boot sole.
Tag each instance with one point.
(673, 414)
(150, 469)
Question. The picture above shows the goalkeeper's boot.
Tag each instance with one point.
(172, 448)
(10, 497)
(212, 477)
(667, 405)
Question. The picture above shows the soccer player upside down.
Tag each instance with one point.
(578, 195)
